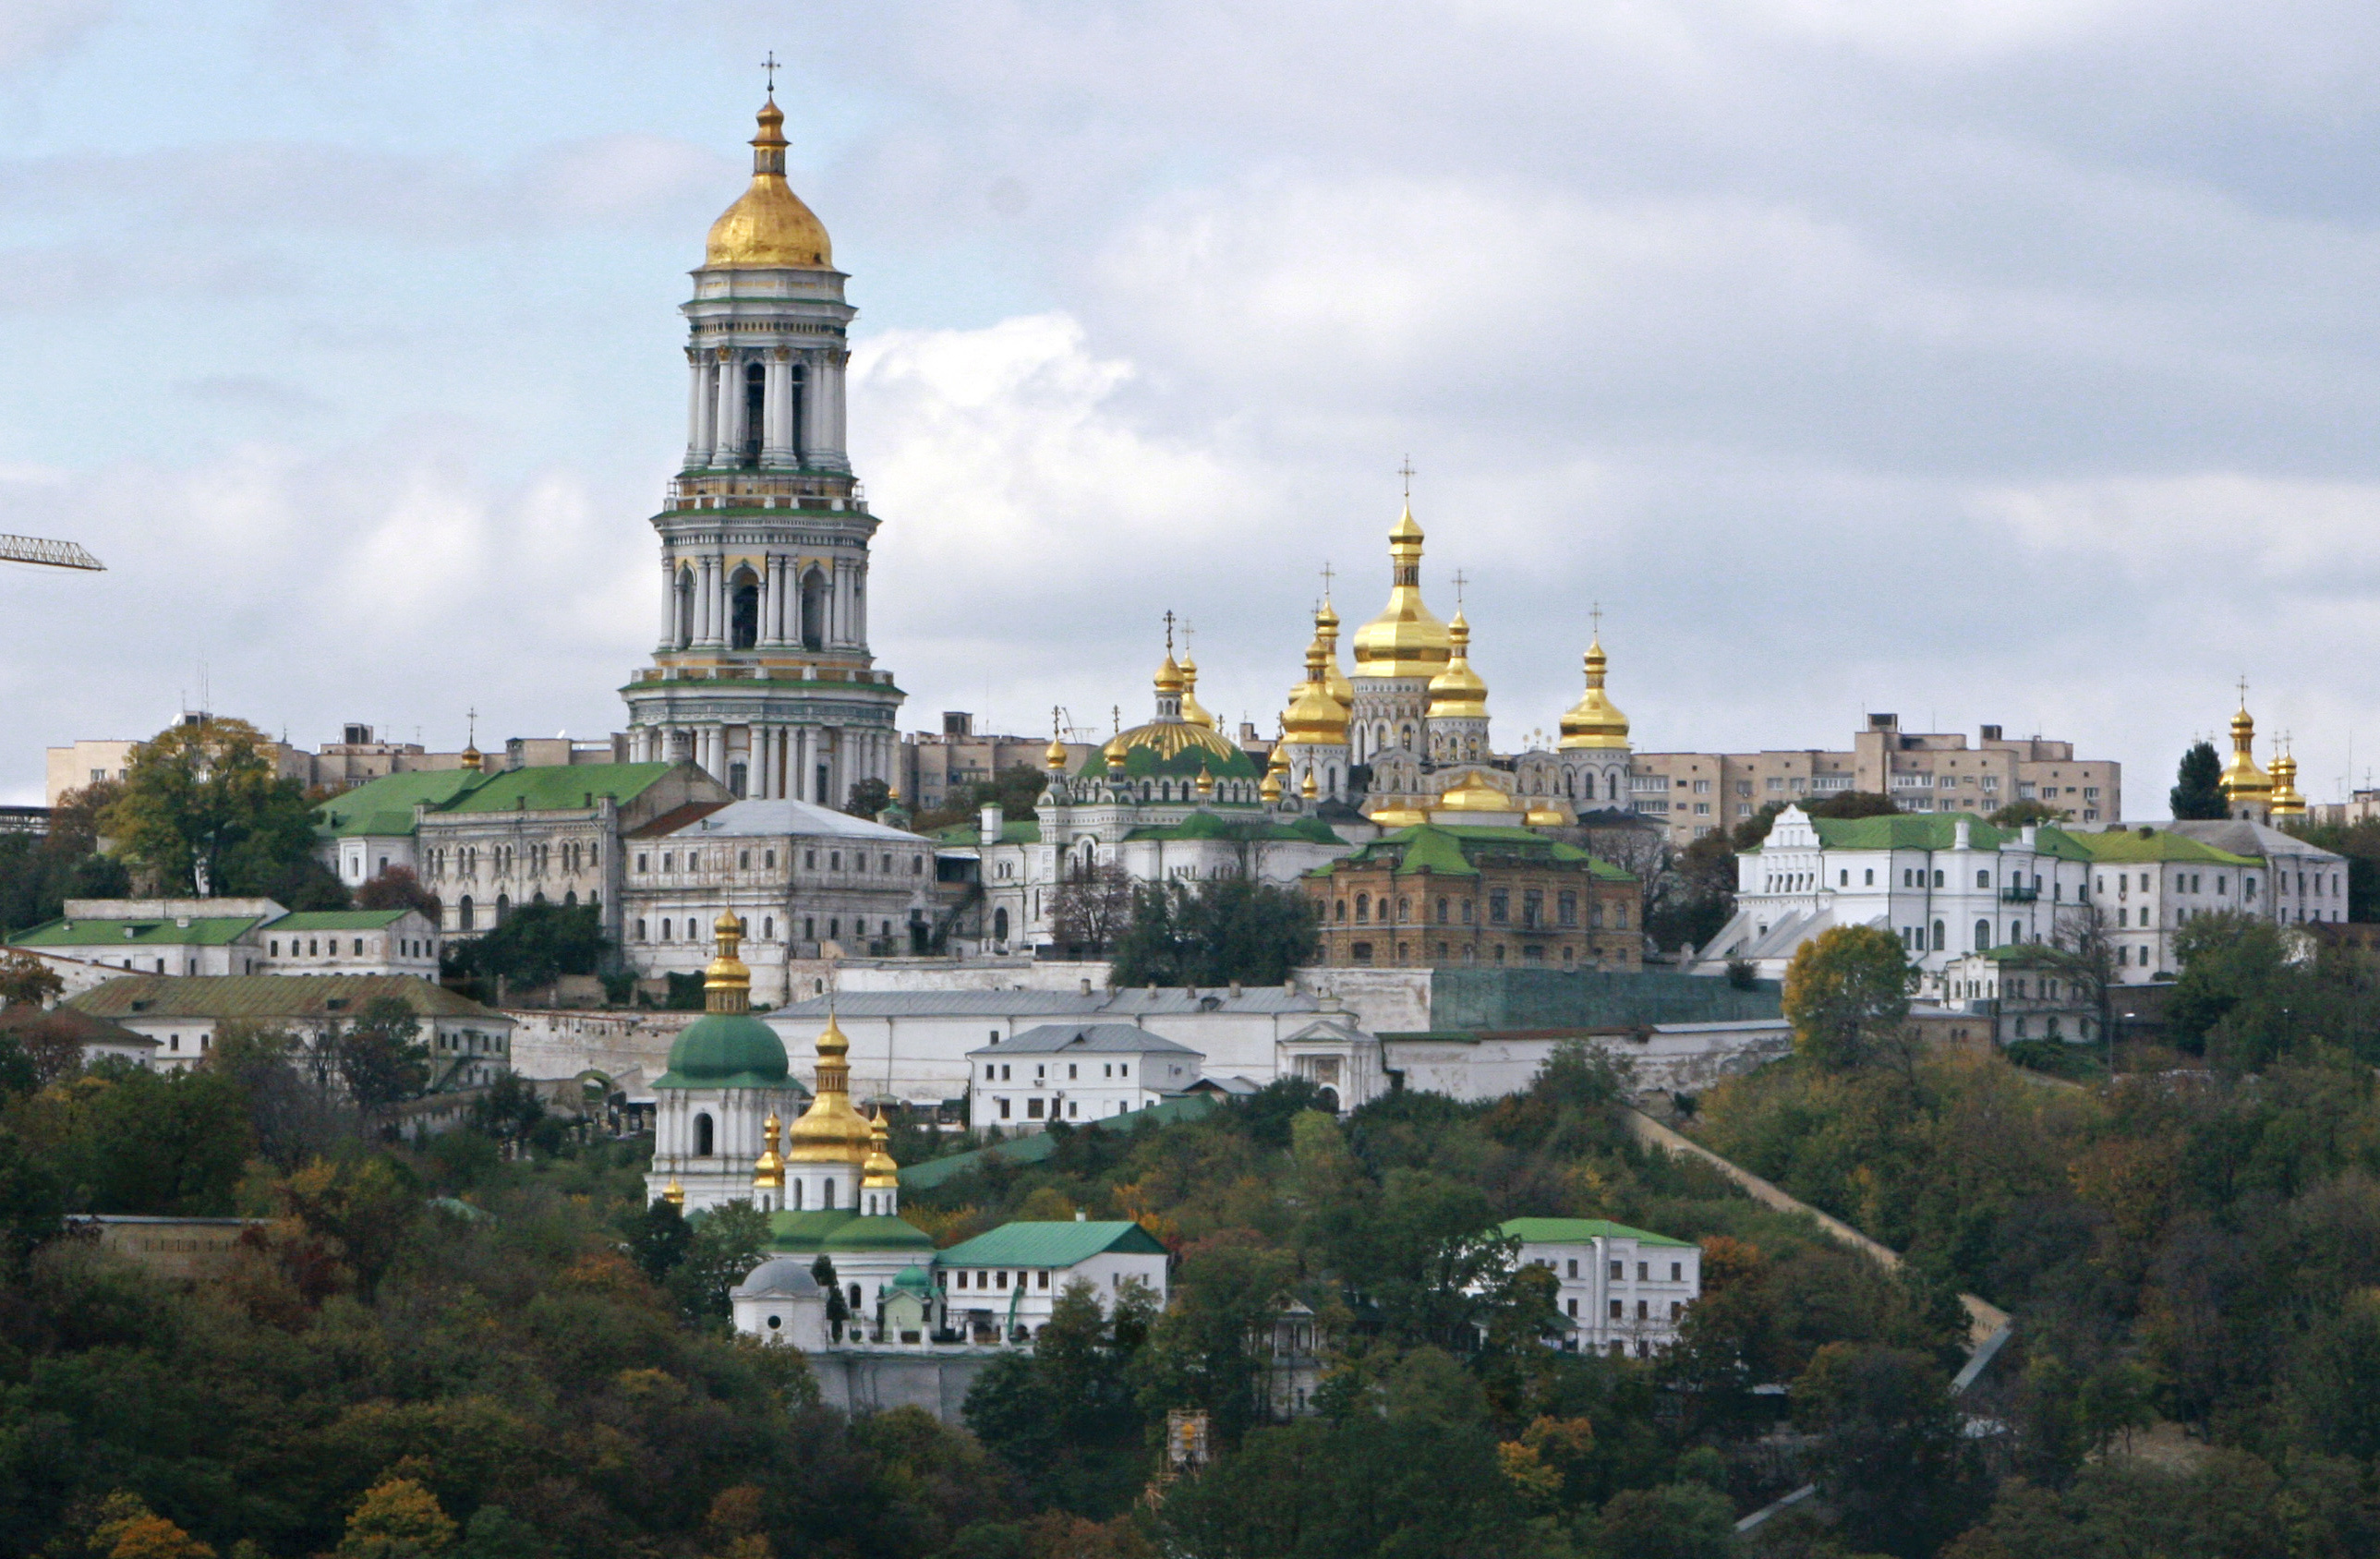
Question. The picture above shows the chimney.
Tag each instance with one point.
(1081, 1216)
(993, 822)
(2032, 836)
(1962, 833)
(1087, 985)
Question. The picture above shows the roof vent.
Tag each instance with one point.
(1081, 1216)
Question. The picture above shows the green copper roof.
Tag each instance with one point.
(337, 921)
(1035, 1146)
(842, 1229)
(1013, 831)
(1063, 1244)
(1938, 831)
(384, 807)
(2156, 844)
(1245, 825)
(725, 1049)
(559, 788)
(915, 1280)
(1455, 850)
(204, 930)
(1578, 1231)
(271, 997)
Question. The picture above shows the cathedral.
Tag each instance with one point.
(761, 673)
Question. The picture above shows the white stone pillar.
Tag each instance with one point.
(841, 635)
(669, 603)
(782, 571)
(729, 419)
(719, 600)
(697, 411)
(814, 399)
(763, 739)
(834, 410)
(859, 603)
(768, 582)
(772, 410)
(705, 616)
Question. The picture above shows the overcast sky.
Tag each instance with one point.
(1981, 361)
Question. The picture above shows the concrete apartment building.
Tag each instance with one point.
(1924, 771)
(357, 758)
(934, 767)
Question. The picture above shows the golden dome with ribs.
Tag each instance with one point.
(768, 227)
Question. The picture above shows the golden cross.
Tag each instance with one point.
(1406, 472)
(770, 65)
(1459, 582)
(1596, 614)
(1326, 578)
(1169, 636)
(1056, 730)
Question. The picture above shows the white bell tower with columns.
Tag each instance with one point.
(761, 672)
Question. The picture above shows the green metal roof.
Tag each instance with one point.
(725, 1049)
(1248, 825)
(337, 921)
(204, 930)
(559, 788)
(1062, 1244)
(842, 1229)
(271, 997)
(384, 807)
(1040, 1145)
(1578, 1231)
(1937, 831)
(1454, 849)
(2157, 845)
(1013, 831)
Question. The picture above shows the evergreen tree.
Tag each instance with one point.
(2198, 791)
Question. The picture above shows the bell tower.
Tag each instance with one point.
(761, 673)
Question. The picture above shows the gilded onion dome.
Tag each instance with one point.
(1594, 721)
(2286, 803)
(1172, 745)
(1458, 693)
(1112, 754)
(1404, 640)
(769, 1171)
(1054, 755)
(879, 1173)
(1192, 710)
(768, 226)
(2242, 780)
(1476, 795)
(1547, 814)
(1398, 817)
(830, 1131)
(1314, 718)
(1326, 633)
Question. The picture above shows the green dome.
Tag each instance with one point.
(877, 1233)
(915, 1280)
(725, 1049)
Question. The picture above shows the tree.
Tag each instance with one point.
(1673, 1521)
(1890, 1462)
(2197, 787)
(397, 1518)
(726, 1244)
(535, 945)
(1014, 789)
(2026, 813)
(1696, 894)
(25, 980)
(40, 871)
(1847, 996)
(1063, 1417)
(203, 810)
(1091, 910)
(156, 1142)
(32, 1202)
(127, 1529)
(510, 1110)
(381, 1061)
(1224, 930)
(398, 888)
(868, 797)
(1842, 804)
(659, 1242)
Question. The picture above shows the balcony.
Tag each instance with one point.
(2020, 896)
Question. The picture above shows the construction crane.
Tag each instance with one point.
(53, 554)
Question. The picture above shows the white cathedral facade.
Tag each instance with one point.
(761, 673)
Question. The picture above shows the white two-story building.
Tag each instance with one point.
(1074, 1072)
(1625, 1290)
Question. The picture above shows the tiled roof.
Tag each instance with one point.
(204, 930)
(844, 1229)
(1251, 827)
(1040, 1145)
(1013, 831)
(1578, 1231)
(1102, 1039)
(1063, 1244)
(269, 996)
(86, 1028)
(1936, 830)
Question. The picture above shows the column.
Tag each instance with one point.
(768, 593)
(834, 410)
(764, 743)
(842, 635)
(698, 413)
(859, 603)
(781, 573)
(719, 600)
(814, 399)
(777, 437)
(706, 619)
(669, 603)
(728, 437)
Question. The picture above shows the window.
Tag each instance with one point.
(1644, 1272)
(1618, 1272)
(1574, 1272)
(1984, 879)
(1615, 1310)
(1676, 1271)
(1871, 877)
(1499, 908)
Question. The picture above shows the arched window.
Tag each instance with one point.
(767, 927)
(463, 913)
(504, 907)
(739, 776)
(814, 610)
(1404, 910)
(798, 391)
(2016, 933)
(1363, 909)
(1342, 909)
(826, 1197)
(756, 410)
(794, 1191)
(570, 899)
(1941, 939)
(1983, 936)
(1441, 912)
(743, 610)
(999, 925)
(704, 1136)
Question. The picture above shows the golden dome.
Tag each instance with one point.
(830, 1131)
(1311, 788)
(2242, 781)
(1398, 817)
(1314, 718)
(768, 225)
(2287, 802)
(1205, 785)
(1404, 640)
(1476, 795)
(879, 1173)
(1192, 710)
(769, 1170)
(1594, 721)
(1054, 755)
(1112, 753)
(471, 758)
(727, 984)
(1270, 788)
(673, 1193)
(1458, 693)
(1547, 814)
(1168, 675)
(1326, 633)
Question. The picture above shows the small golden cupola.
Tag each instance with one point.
(830, 1131)
(769, 1171)
(2246, 788)
(769, 227)
(1326, 633)
(1053, 757)
(1314, 718)
(1192, 710)
(1594, 721)
(1458, 692)
(2287, 806)
(1405, 639)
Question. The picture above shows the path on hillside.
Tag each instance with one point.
(1984, 1319)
